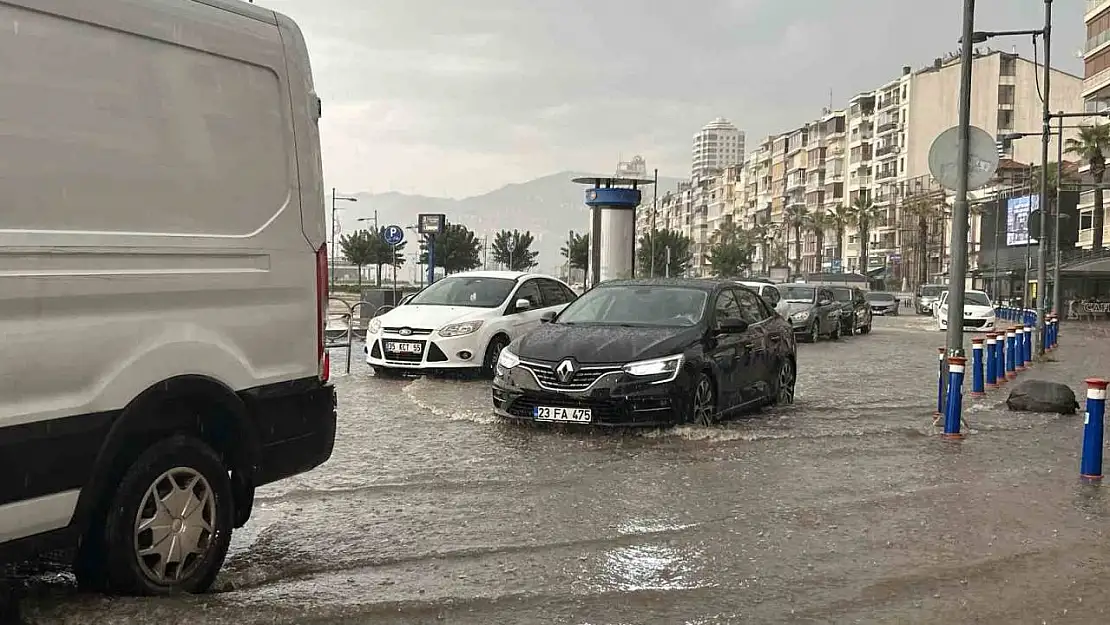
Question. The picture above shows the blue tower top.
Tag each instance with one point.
(613, 191)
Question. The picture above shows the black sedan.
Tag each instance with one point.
(650, 353)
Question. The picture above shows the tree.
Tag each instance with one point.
(795, 217)
(680, 252)
(840, 216)
(1091, 145)
(456, 249)
(577, 250)
(359, 250)
(926, 208)
(514, 250)
(385, 255)
(731, 250)
(863, 214)
(818, 223)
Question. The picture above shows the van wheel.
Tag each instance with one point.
(169, 523)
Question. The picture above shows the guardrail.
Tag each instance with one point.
(345, 339)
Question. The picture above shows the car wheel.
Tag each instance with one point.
(814, 333)
(493, 352)
(835, 334)
(865, 329)
(703, 406)
(782, 393)
(169, 523)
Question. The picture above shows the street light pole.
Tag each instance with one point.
(958, 269)
(1046, 130)
(334, 224)
(1057, 302)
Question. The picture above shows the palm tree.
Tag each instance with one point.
(927, 209)
(840, 217)
(1091, 145)
(795, 217)
(818, 223)
(863, 213)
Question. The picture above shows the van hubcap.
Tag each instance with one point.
(175, 525)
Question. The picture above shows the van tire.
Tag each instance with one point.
(148, 475)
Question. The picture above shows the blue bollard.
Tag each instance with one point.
(977, 389)
(1054, 330)
(991, 358)
(940, 382)
(1030, 339)
(952, 414)
(1000, 359)
(1011, 340)
(1019, 349)
(1090, 467)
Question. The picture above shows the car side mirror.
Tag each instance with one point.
(548, 316)
(523, 304)
(731, 326)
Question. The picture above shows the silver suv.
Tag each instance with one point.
(927, 297)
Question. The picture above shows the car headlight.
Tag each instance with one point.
(460, 329)
(375, 326)
(800, 316)
(667, 367)
(507, 359)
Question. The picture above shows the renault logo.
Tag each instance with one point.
(566, 370)
(405, 331)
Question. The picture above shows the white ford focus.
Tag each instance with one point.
(463, 321)
(978, 312)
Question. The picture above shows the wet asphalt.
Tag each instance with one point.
(844, 508)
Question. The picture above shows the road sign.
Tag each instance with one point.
(982, 158)
(393, 235)
(431, 223)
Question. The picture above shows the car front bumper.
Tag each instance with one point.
(436, 352)
(614, 399)
(975, 324)
(885, 310)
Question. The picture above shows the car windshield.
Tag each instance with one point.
(930, 291)
(799, 294)
(472, 291)
(879, 297)
(637, 305)
(842, 294)
(972, 298)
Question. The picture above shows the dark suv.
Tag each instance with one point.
(855, 311)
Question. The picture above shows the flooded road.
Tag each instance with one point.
(844, 508)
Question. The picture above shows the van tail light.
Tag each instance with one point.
(322, 295)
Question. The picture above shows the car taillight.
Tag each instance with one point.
(324, 370)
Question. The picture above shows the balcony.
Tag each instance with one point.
(886, 174)
(887, 150)
(889, 103)
(887, 127)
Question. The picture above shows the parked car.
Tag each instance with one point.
(649, 353)
(171, 197)
(855, 312)
(463, 321)
(812, 311)
(768, 291)
(978, 312)
(927, 295)
(883, 303)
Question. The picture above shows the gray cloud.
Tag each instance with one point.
(460, 97)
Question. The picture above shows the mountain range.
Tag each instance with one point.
(549, 207)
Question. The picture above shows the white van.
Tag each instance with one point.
(163, 281)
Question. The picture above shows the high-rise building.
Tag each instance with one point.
(719, 144)
(1096, 96)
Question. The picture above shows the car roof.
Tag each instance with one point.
(505, 275)
(755, 285)
(690, 283)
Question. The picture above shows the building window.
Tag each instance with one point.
(1005, 95)
(902, 166)
(1086, 220)
(1005, 120)
(1008, 66)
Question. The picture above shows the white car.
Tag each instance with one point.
(463, 321)
(978, 312)
(768, 292)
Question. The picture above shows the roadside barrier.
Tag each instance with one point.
(952, 415)
(1090, 467)
(1030, 338)
(1000, 358)
(991, 358)
(1019, 348)
(977, 389)
(1011, 351)
(344, 339)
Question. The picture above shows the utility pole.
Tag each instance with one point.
(1046, 130)
(1057, 302)
(334, 231)
(485, 251)
(654, 211)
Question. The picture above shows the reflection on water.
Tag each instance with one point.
(648, 567)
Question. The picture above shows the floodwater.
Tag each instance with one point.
(845, 508)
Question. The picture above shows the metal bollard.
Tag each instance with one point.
(1030, 339)
(1011, 350)
(1019, 348)
(1053, 331)
(989, 355)
(1000, 358)
(1090, 466)
(977, 368)
(954, 408)
(940, 382)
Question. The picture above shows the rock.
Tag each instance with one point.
(1042, 396)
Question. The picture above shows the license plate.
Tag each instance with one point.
(570, 415)
(403, 348)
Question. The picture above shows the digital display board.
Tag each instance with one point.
(1018, 210)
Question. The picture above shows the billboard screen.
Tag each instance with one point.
(1017, 219)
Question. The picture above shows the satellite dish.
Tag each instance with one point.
(982, 158)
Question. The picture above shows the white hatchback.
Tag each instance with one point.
(978, 312)
(463, 321)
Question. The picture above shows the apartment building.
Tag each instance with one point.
(718, 145)
(1096, 96)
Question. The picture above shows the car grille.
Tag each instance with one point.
(582, 380)
(974, 323)
(414, 331)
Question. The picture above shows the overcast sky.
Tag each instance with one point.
(455, 98)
